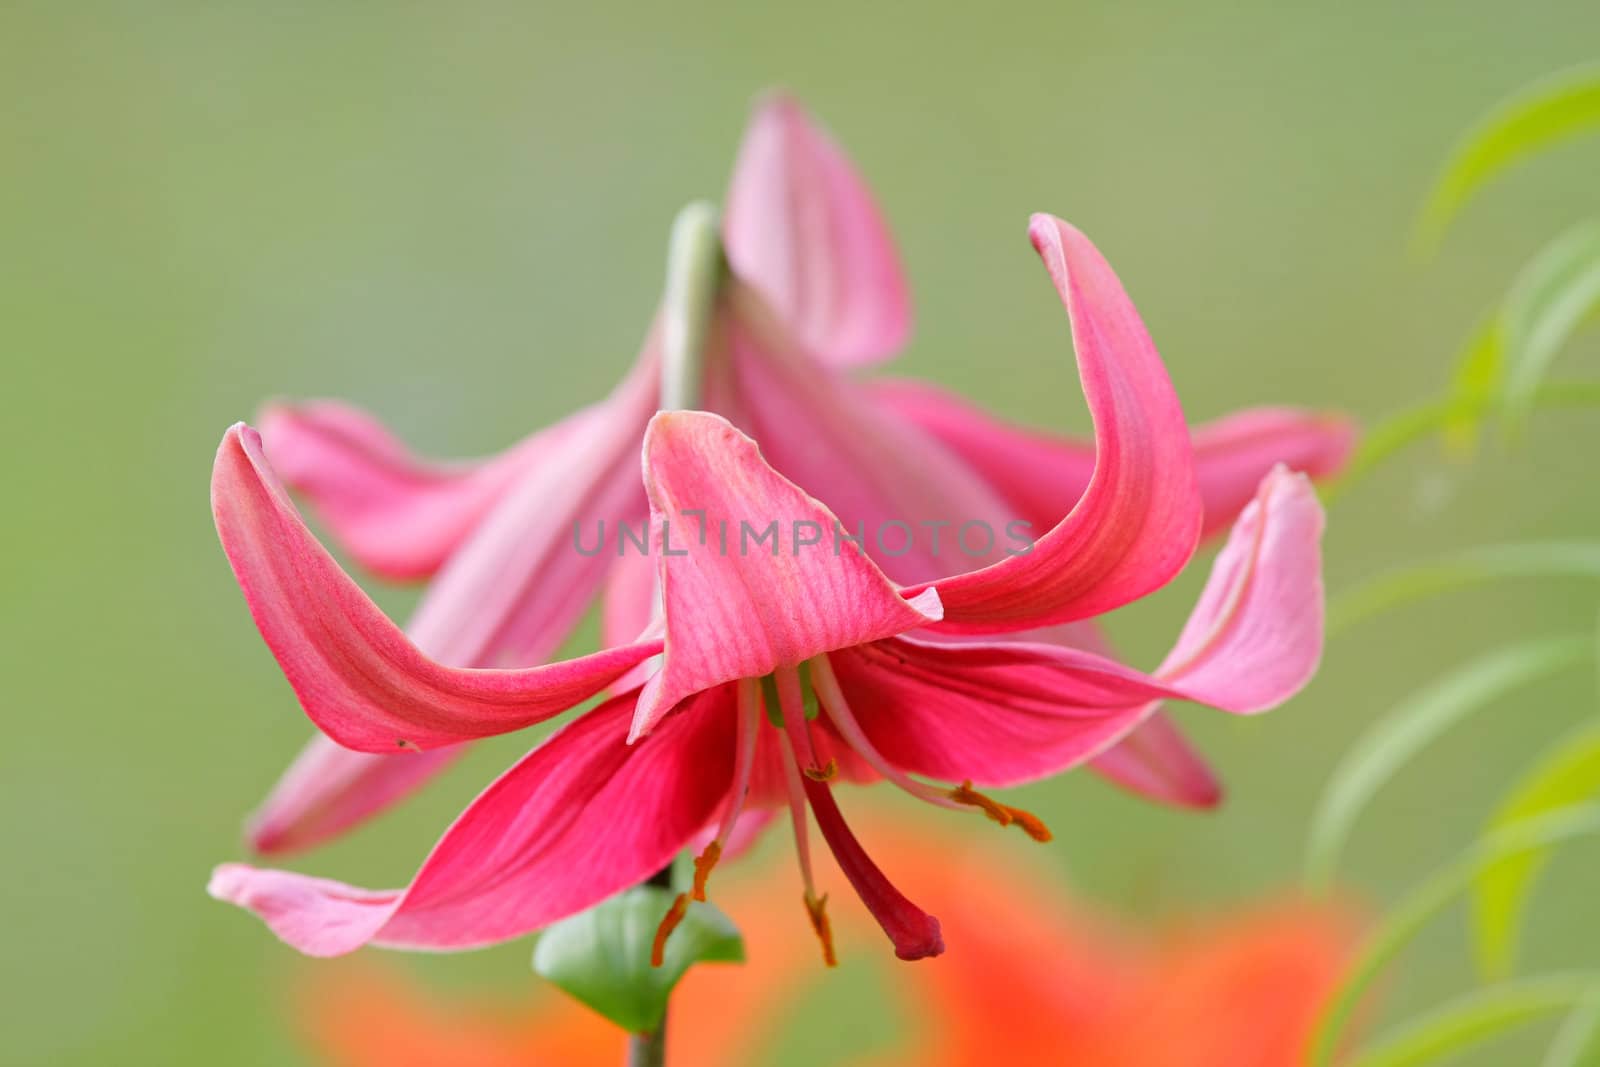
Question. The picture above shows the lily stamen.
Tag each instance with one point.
(749, 697)
(817, 910)
(792, 710)
(1004, 814)
(815, 905)
(824, 774)
(669, 923)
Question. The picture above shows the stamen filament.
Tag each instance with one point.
(816, 906)
(797, 812)
(749, 698)
(792, 705)
(844, 720)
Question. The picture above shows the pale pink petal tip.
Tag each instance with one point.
(802, 226)
(1157, 762)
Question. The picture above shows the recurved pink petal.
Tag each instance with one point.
(1255, 637)
(1233, 454)
(1138, 520)
(329, 789)
(513, 591)
(1156, 761)
(554, 529)
(579, 818)
(397, 514)
(753, 576)
(1006, 712)
(359, 678)
(1043, 475)
(802, 227)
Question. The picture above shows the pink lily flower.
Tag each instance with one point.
(857, 684)
(818, 290)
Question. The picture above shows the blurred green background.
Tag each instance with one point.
(455, 215)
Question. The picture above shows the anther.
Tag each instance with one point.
(824, 774)
(1004, 814)
(703, 865)
(669, 923)
(817, 910)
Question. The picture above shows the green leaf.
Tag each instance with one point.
(1414, 911)
(1476, 1018)
(1400, 431)
(1458, 570)
(1532, 119)
(1415, 723)
(1475, 384)
(1568, 775)
(1577, 1043)
(602, 956)
(1552, 296)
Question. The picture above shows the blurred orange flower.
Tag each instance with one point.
(1031, 978)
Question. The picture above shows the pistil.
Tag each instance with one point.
(914, 932)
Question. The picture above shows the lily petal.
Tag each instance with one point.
(329, 789)
(737, 606)
(579, 818)
(399, 516)
(1006, 712)
(359, 678)
(1043, 474)
(1138, 520)
(921, 512)
(803, 228)
(1156, 761)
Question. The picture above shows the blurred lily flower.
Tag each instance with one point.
(817, 289)
(612, 797)
(1241, 988)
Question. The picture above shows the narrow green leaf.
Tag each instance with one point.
(1420, 905)
(1400, 431)
(1477, 1018)
(1554, 293)
(1577, 1043)
(602, 956)
(1414, 724)
(1459, 570)
(1568, 775)
(1474, 385)
(1532, 119)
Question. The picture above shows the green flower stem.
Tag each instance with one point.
(695, 269)
(649, 1049)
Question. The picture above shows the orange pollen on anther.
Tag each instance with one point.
(817, 909)
(703, 865)
(824, 774)
(669, 923)
(1004, 814)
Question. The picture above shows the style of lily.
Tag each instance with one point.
(1242, 988)
(815, 290)
(781, 673)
